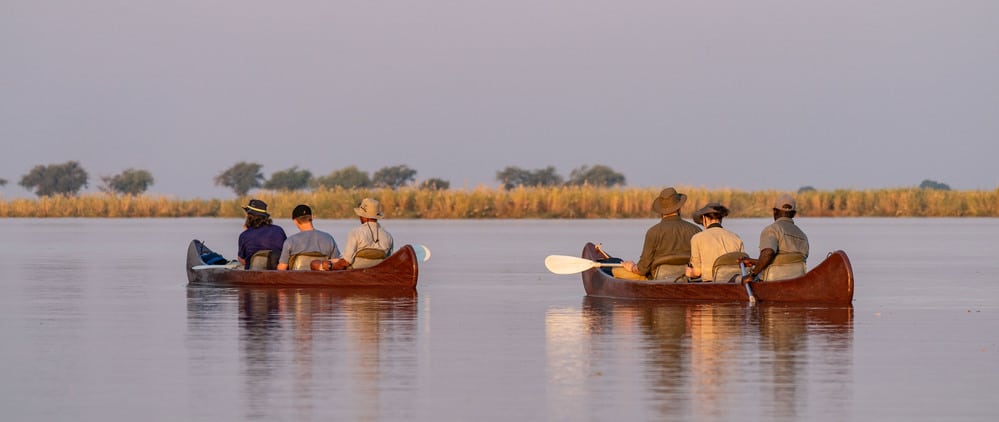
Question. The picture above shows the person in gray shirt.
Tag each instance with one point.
(308, 239)
(783, 246)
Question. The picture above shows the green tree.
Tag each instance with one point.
(241, 177)
(598, 175)
(347, 177)
(393, 177)
(435, 184)
(129, 182)
(933, 185)
(804, 189)
(67, 178)
(515, 176)
(290, 179)
(3, 182)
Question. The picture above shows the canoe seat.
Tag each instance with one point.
(670, 267)
(303, 261)
(726, 267)
(368, 257)
(264, 260)
(785, 266)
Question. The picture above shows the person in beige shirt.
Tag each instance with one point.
(713, 242)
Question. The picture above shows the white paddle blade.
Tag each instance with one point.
(561, 264)
(422, 253)
(230, 266)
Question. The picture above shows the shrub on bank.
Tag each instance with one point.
(521, 202)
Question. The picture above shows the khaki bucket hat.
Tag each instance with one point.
(370, 208)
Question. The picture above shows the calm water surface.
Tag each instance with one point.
(98, 324)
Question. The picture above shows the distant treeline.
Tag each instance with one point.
(520, 202)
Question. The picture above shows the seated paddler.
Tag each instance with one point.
(666, 250)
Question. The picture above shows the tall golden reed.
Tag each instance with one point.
(518, 203)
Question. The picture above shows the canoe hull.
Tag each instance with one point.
(397, 272)
(830, 282)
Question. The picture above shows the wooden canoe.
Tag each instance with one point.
(397, 272)
(829, 282)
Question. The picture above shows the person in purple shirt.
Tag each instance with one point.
(260, 234)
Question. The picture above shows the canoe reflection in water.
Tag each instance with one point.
(693, 358)
(306, 349)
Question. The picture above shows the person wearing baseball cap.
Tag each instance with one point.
(259, 234)
(783, 245)
(307, 240)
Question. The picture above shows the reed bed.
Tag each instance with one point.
(485, 203)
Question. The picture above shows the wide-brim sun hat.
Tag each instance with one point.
(256, 207)
(369, 208)
(711, 207)
(669, 201)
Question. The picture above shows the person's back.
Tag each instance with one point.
(368, 243)
(308, 239)
(670, 237)
(665, 242)
(783, 245)
(711, 243)
(260, 234)
(790, 245)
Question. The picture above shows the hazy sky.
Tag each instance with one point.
(729, 93)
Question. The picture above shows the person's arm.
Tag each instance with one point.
(693, 269)
(766, 258)
(285, 256)
(644, 265)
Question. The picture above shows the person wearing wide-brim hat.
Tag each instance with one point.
(259, 233)
(368, 243)
(783, 245)
(668, 238)
(713, 242)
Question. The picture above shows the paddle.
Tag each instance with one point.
(561, 264)
(422, 253)
(749, 291)
(230, 266)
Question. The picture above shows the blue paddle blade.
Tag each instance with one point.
(422, 253)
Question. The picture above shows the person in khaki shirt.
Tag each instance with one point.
(670, 237)
(713, 242)
(783, 245)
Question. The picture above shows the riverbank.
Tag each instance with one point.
(554, 202)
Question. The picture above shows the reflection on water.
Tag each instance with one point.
(706, 360)
(301, 350)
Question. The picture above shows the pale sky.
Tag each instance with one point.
(762, 94)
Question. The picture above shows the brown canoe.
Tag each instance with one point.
(397, 272)
(829, 282)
